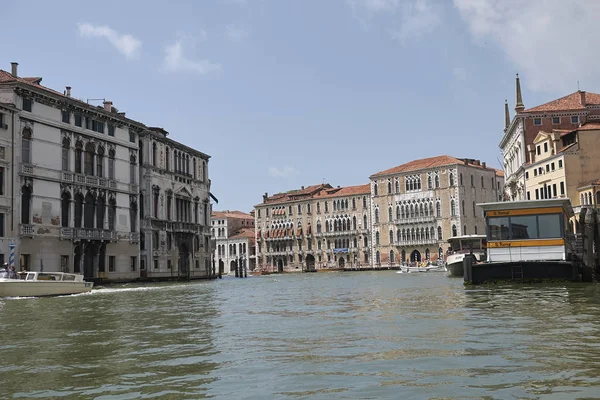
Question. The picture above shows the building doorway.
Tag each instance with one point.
(415, 256)
(310, 262)
(342, 262)
(232, 266)
(280, 265)
(184, 260)
(221, 267)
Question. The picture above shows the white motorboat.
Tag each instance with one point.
(36, 284)
(426, 267)
(461, 246)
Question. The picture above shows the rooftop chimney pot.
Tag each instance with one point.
(483, 165)
(302, 187)
(13, 67)
(68, 91)
(582, 96)
(107, 106)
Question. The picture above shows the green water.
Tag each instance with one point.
(352, 335)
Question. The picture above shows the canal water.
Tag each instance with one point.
(336, 335)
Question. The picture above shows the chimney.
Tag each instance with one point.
(302, 188)
(483, 165)
(265, 197)
(582, 96)
(466, 161)
(13, 68)
(107, 106)
(68, 91)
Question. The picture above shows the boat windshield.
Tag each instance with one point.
(466, 245)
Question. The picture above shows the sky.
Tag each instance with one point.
(284, 94)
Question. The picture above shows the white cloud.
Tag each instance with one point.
(126, 44)
(411, 18)
(176, 61)
(234, 33)
(282, 172)
(550, 42)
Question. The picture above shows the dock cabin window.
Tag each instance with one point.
(519, 227)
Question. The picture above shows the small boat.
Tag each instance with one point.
(461, 246)
(423, 267)
(37, 284)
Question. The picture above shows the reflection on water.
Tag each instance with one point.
(336, 335)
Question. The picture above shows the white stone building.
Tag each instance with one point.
(174, 208)
(70, 194)
(234, 236)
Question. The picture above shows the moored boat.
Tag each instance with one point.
(37, 284)
(461, 246)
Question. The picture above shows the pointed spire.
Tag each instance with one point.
(519, 106)
(506, 115)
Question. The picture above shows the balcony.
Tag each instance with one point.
(134, 237)
(415, 242)
(415, 220)
(341, 233)
(26, 230)
(185, 227)
(26, 169)
(81, 179)
(88, 234)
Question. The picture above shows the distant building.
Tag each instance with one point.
(417, 206)
(234, 236)
(566, 113)
(313, 227)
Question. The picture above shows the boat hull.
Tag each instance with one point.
(454, 263)
(20, 288)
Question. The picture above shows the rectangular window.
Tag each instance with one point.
(169, 265)
(111, 130)
(131, 137)
(98, 126)
(537, 121)
(1, 181)
(155, 263)
(528, 195)
(562, 188)
(547, 167)
(27, 104)
(575, 119)
(556, 120)
(526, 175)
(538, 150)
(133, 263)
(535, 172)
(2, 121)
(520, 227)
(78, 120)
(64, 263)
(142, 264)
(111, 168)
(2, 224)
(552, 166)
(549, 226)
(554, 193)
(537, 194)
(523, 227)
(546, 147)
(111, 263)
(66, 117)
(132, 173)
(559, 163)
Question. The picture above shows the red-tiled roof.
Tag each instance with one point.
(590, 126)
(426, 163)
(567, 147)
(245, 233)
(231, 214)
(345, 191)
(569, 102)
(499, 173)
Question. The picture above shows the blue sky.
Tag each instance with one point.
(289, 93)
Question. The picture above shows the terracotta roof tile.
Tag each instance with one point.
(245, 233)
(569, 102)
(499, 173)
(425, 163)
(590, 126)
(231, 214)
(345, 191)
(567, 147)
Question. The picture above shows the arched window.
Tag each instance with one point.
(460, 181)
(66, 144)
(100, 162)
(112, 214)
(133, 216)
(154, 156)
(437, 181)
(132, 179)
(25, 205)
(431, 209)
(365, 222)
(65, 206)
(432, 233)
(462, 211)
(377, 215)
(88, 159)
(403, 255)
(195, 173)
(454, 231)
(397, 185)
(438, 209)
(452, 208)
(439, 229)
(378, 257)
(375, 190)
(389, 185)
(397, 212)
(429, 183)
(354, 223)
(398, 236)
(26, 146)
(390, 214)
(472, 180)
(451, 178)
(427, 255)
(204, 172)
(167, 160)
(78, 210)
(319, 227)
(100, 211)
(392, 260)
(482, 185)
(111, 164)
(89, 211)
(376, 238)
(464, 232)
(475, 229)
(391, 236)
(78, 157)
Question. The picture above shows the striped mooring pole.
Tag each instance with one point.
(11, 257)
